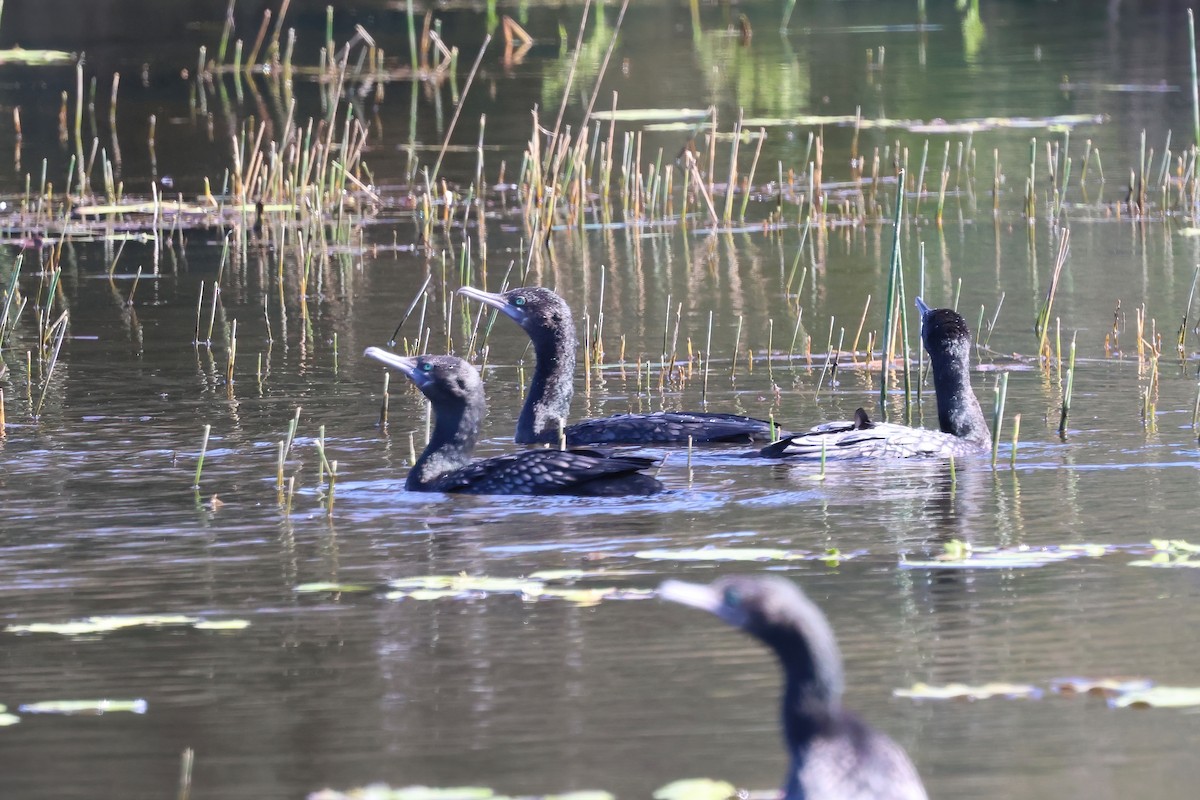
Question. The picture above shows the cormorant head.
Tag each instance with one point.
(944, 331)
(534, 308)
(440, 378)
(775, 611)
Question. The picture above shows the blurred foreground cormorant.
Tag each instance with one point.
(455, 391)
(547, 320)
(964, 431)
(834, 754)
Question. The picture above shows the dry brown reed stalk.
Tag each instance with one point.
(1042, 325)
(458, 109)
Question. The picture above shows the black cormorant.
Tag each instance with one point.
(964, 431)
(834, 754)
(455, 391)
(547, 320)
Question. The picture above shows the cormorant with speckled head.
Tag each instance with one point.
(455, 391)
(548, 321)
(834, 754)
(964, 430)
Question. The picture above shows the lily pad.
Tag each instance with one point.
(1170, 553)
(318, 587)
(725, 554)
(84, 707)
(592, 597)
(651, 114)
(962, 691)
(104, 624)
(1106, 687)
(35, 58)
(958, 554)
(222, 625)
(566, 575)
(385, 792)
(90, 626)
(439, 587)
(1158, 697)
(464, 584)
(696, 789)
(8, 719)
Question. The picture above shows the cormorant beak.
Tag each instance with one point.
(705, 598)
(496, 301)
(924, 309)
(403, 364)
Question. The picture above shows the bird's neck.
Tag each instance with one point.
(959, 413)
(451, 443)
(548, 403)
(813, 683)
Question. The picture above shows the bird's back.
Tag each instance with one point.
(672, 427)
(843, 440)
(852, 761)
(548, 472)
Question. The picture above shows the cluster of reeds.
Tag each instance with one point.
(51, 318)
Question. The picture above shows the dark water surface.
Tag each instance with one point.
(98, 516)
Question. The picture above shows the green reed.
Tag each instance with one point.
(890, 307)
(1042, 325)
(1001, 394)
(1068, 391)
(1183, 325)
(200, 461)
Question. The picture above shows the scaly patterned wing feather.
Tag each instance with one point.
(535, 472)
(672, 427)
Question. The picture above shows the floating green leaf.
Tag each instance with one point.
(222, 625)
(651, 114)
(85, 707)
(104, 624)
(107, 624)
(696, 789)
(35, 58)
(558, 575)
(8, 719)
(1158, 697)
(465, 584)
(1170, 553)
(336, 588)
(958, 554)
(384, 792)
(729, 554)
(438, 587)
(962, 691)
(1177, 546)
(591, 597)
(930, 126)
(1107, 687)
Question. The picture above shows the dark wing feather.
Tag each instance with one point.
(542, 472)
(672, 427)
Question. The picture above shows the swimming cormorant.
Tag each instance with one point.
(547, 320)
(455, 391)
(834, 754)
(964, 430)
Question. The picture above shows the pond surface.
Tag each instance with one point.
(342, 689)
